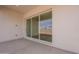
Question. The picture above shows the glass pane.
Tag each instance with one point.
(46, 26)
(28, 27)
(35, 28)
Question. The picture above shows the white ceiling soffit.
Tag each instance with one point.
(21, 8)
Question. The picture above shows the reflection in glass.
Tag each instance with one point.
(35, 27)
(46, 27)
(28, 27)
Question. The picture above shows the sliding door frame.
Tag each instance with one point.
(31, 27)
(39, 26)
(48, 10)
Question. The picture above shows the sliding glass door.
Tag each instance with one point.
(28, 27)
(35, 27)
(46, 26)
(40, 27)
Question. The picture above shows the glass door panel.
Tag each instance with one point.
(35, 27)
(46, 26)
(28, 27)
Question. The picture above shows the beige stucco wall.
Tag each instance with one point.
(65, 26)
(8, 21)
